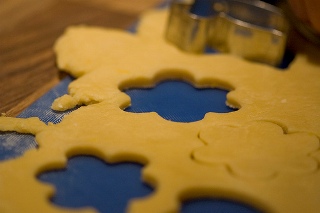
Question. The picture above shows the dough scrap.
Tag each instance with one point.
(108, 60)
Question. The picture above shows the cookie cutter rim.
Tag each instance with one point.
(230, 31)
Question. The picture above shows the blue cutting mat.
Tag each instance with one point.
(87, 181)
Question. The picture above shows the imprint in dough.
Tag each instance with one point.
(258, 150)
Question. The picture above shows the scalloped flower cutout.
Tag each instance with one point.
(178, 101)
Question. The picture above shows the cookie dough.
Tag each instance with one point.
(277, 124)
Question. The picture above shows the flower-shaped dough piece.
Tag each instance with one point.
(258, 150)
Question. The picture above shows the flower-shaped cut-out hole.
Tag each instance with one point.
(90, 182)
(178, 101)
(209, 205)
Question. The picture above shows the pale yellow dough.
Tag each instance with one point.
(266, 154)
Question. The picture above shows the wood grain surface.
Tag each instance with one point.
(28, 30)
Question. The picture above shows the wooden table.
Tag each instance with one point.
(28, 30)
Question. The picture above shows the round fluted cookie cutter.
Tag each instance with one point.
(253, 30)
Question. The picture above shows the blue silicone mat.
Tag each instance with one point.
(87, 181)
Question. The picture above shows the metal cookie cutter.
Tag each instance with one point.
(251, 29)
